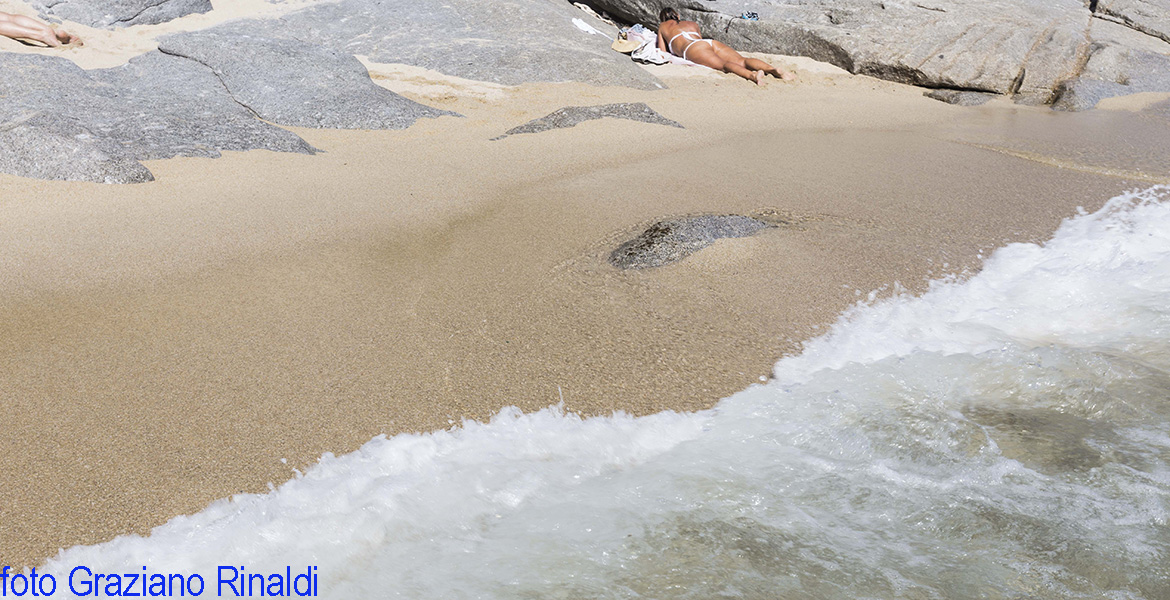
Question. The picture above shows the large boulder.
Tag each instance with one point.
(58, 121)
(120, 13)
(1120, 61)
(1030, 48)
(290, 82)
(511, 42)
(213, 90)
(52, 146)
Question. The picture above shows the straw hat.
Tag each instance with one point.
(625, 46)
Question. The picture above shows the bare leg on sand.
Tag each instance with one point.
(707, 54)
(19, 27)
(729, 54)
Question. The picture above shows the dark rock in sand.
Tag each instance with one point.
(1030, 48)
(94, 124)
(290, 82)
(571, 116)
(960, 98)
(672, 240)
(120, 13)
(508, 43)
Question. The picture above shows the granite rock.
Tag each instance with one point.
(156, 106)
(571, 116)
(672, 240)
(509, 43)
(959, 97)
(49, 146)
(1114, 71)
(290, 82)
(1030, 48)
(1151, 17)
(120, 13)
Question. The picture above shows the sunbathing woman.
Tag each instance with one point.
(20, 27)
(682, 38)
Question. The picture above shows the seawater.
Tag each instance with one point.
(1006, 435)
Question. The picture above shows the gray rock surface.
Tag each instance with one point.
(672, 240)
(960, 98)
(571, 116)
(510, 42)
(95, 125)
(1031, 48)
(290, 82)
(207, 91)
(1114, 71)
(120, 13)
(1151, 17)
(48, 146)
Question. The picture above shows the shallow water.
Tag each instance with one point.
(1007, 436)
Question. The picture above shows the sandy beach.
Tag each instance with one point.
(175, 342)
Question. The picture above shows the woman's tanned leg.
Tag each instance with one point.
(18, 26)
(756, 64)
(704, 54)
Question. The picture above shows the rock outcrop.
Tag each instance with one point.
(1032, 49)
(58, 121)
(289, 82)
(571, 116)
(1151, 17)
(120, 13)
(213, 90)
(508, 43)
(672, 240)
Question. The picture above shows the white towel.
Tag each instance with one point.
(587, 28)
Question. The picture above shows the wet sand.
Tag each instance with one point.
(172, 343)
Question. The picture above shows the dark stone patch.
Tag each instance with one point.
(959, 97)
(571, 116)
(121, 13)
(290, 82)
(672, 240)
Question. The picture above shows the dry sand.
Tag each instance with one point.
(168, 344)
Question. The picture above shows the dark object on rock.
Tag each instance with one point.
(289, 82)
(121, 13)
(571, 116)
(96, 125)
(672, 240)
(959, 98)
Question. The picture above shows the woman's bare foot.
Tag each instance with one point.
(781, 74)
(66, 38)
(758, 77)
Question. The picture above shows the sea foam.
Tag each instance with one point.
(1002, 436)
